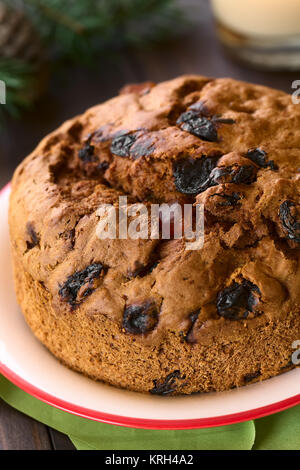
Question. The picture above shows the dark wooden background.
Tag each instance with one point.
(198, 51)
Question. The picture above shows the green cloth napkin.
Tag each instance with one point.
(280, 431)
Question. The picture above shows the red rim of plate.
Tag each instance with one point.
(155, 424)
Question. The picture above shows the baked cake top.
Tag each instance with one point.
(233, 146)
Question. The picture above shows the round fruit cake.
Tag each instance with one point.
(148, 314)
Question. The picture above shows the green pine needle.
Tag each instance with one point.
(79, 31)
(18, 77)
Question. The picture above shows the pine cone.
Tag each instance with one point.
(18, 38)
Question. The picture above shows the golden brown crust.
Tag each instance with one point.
(250, 137)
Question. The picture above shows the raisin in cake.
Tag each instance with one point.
(149, 315)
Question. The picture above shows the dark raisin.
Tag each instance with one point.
(199, 122)
(139, 319)
(289, 222)
(238, 300)
(252, 376)
(140, 270)
(193, 176)
(122, 144)
(202, 110)
(167, 386)
(103, 166)
(82, 280)
(198, 125)
(193, 317)
(223, 120)
(245, 174)
(259, 157)
(86, 154)
(34, 239)
(228, 199)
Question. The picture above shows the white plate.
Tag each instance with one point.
(29, 365)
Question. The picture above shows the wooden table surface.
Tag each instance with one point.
(198, 51)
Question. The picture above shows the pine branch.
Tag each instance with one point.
(18, 77)
(79, 31)
(57, 16)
